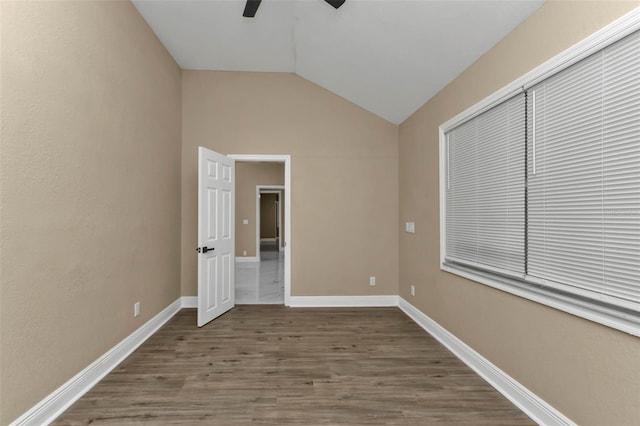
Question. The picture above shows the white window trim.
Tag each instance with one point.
(608, 35)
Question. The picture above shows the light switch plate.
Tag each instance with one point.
(245, 221)
(410, 227)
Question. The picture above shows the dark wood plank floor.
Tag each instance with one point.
(272, 365)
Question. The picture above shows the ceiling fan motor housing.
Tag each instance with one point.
(251, 7)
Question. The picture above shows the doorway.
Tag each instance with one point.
(270, 206)
(284, 210)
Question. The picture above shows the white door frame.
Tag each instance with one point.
(286, 159)
(268, 189)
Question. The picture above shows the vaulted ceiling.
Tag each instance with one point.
(387, 56)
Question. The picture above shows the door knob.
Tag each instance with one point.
(204, 249)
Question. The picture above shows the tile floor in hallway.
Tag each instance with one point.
(261, 282)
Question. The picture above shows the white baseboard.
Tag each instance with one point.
(189, 301)
(247, 259)
(59, 400)
(532, 405)
(342, 301)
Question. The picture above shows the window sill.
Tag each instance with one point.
(628, 322)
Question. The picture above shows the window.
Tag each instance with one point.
(485, 204)
(540, 190)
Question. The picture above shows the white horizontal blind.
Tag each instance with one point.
(485, 189)
(584, 193)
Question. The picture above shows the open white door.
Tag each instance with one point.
(216, 184)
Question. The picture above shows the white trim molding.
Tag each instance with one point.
(343, 301)
(59, 400)
(532, 405)
(189, 302)
(247, 259)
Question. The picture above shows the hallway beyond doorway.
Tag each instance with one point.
(261, 282)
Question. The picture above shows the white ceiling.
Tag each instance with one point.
(388, 56)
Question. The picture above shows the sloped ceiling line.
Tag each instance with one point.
(387, 56)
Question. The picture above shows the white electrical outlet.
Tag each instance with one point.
(245, 221)
(136, 309)
(244, 252)
(413, 290)
(372, 281)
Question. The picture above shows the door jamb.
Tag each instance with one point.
(286, 159)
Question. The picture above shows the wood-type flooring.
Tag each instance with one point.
(271, 365)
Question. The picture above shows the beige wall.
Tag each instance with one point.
(90, 181)
(248, 175)
(343, 161)
(589, 372)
